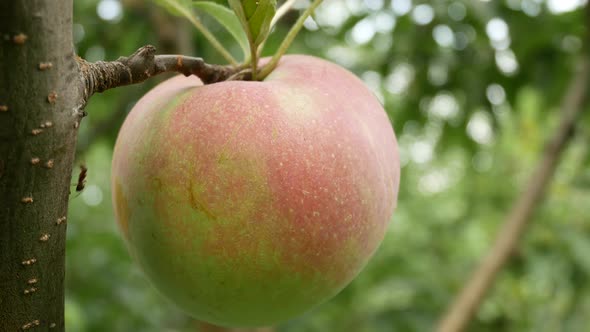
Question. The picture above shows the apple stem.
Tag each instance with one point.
(254, 61)
(203, 30)
(272, 64)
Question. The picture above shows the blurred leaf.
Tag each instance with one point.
(175, 7)
(73, 316)
(579, 247)
(227, 19)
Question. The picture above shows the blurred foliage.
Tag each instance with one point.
(473, 90)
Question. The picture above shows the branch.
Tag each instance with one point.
(465, 305)
(143, 64)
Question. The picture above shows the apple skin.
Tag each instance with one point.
(247, 203)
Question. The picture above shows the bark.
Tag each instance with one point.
(38, 126)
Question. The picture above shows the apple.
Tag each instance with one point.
(247, 203)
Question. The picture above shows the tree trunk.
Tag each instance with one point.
(39, 117)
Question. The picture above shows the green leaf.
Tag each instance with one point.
(255, 16)
(227, 19)
(236, 6)
(260, 20)
(250, 7)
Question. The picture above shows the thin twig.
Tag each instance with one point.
(143, 64)
(465, 305)
(281, 11)
(274, 61)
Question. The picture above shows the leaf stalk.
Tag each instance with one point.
(272, 64)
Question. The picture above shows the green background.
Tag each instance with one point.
(473, 90)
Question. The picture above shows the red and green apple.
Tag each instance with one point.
(247, 203)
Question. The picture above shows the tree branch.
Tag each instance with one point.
(465, 305)
(143, 64)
